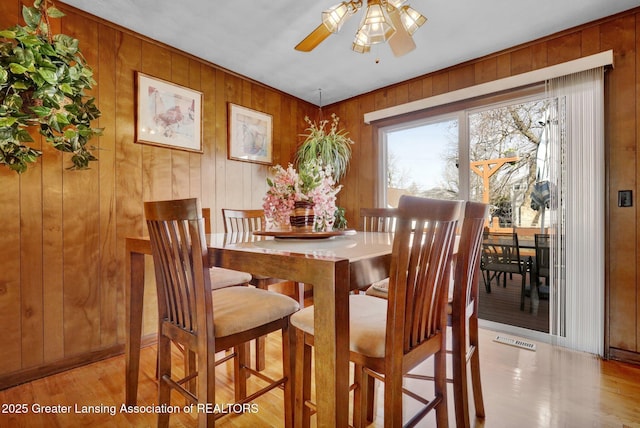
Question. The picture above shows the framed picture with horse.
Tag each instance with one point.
(168, 115)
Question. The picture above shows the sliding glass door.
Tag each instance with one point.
(490, 154)
(538, 161)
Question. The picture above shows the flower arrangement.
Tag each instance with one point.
(313, 183)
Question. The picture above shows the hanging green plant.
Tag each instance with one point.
(42, 83)
(332, 147)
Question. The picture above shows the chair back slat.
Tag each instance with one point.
(242, 221)
(378, 219)
(467, 264)
(422, 247)
(180, 261)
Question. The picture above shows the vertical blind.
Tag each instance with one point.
(577, 170)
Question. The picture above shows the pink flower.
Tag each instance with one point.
(314, 183)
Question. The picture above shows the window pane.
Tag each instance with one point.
(502, 151)
(422, 161)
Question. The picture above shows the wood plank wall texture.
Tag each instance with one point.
(62, 253)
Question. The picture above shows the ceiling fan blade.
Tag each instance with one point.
(314, 39)
(400, 42)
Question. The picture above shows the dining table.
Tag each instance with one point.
(333, 265)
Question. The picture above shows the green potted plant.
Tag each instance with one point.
(323, 147)
(332, 147)
(42, 82)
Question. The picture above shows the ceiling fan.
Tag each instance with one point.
(384, 20)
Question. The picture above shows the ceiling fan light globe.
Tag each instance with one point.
(411, 19)
(375, 24)
(334, 17)
(361, 43)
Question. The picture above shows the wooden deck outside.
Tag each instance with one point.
(502, 305)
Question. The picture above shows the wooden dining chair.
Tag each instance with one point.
(390, 337)
(242, 221)
(378, 219)
(206, 321)
(220, 278)
(462, 310)
(246, 221)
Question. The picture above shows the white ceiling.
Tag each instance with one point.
(256, 38)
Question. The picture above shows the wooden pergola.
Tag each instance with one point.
(486, 168)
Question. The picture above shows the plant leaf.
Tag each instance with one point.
(48, 75)
(66, 88)
(8, 34)
(7, 121)
(41, 111)
(23, 136)
(65, 44)
(17, 68)
(43, 27)
(19, 84)
(53, 12)
(31, 16)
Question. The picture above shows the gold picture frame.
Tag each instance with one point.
(167, 114)
(250, 136)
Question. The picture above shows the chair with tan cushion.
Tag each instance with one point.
(462, 309)
(204, 321)
(246, 221)
(220, 278)
(388, 338)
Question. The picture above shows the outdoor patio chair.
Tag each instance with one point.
(501, 256)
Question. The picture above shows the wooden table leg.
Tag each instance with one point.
(331, 347)
(135, 293)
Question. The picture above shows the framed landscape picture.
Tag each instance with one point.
(167, 114)
(250, 136)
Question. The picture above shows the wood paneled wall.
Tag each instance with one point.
(62, 253)
(620, 33)
(62, 297)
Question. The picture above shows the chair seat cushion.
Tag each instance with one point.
(368, 324)
(221, 277)
(379, 289)
(237, 309)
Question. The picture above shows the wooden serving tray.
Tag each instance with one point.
(302, 234)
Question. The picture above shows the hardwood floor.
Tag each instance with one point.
(551, 387)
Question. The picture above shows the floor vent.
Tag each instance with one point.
(515, 342)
